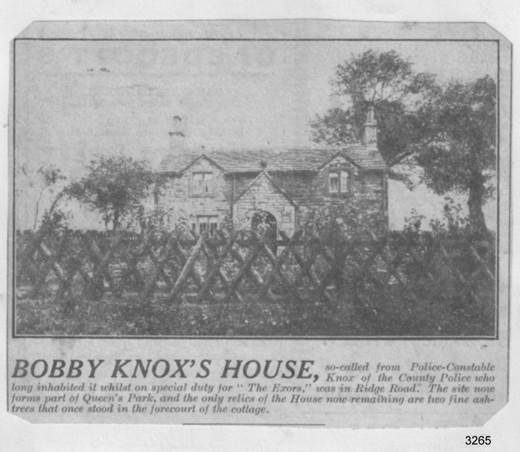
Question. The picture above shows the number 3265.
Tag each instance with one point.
(474, 440)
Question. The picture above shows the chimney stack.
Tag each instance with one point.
(177, 134)
(370, 129)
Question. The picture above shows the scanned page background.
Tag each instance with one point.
(22, 436)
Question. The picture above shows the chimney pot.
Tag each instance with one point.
(177, 134)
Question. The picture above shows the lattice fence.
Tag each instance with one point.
(241, 266)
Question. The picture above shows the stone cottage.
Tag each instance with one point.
(275, 187)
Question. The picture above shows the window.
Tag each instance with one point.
(202, 184)
(206, 224)
(333, 183)
(343, 184)
(338, 181)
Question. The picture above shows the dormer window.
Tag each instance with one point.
(202, 184)
(338, 181)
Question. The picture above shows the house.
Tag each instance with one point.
(275, 187)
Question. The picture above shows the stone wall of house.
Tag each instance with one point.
(263, 196)
(241, 182)
(366, 194)
(298, 184)
(178, 199)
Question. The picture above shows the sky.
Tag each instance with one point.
(79, 99)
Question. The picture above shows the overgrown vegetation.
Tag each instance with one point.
(444, 132)
(115, 187)
(129, 316)
(326, 282)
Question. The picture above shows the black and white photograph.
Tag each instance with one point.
(255, 188)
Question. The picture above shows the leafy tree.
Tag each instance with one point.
(115, 186)
(447, 131)
(387, 82)
(459, 155)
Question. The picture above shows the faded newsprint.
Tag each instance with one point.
(259, 222)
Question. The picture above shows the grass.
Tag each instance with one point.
(129, 315)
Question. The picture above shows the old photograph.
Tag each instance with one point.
(290, 223)
(269, 187)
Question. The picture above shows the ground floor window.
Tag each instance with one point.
(205, 224)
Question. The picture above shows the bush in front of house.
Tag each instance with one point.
(325, 283)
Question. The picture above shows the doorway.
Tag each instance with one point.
(264, 224)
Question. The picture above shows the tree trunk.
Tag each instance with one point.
(115, 221)
(37, 209)
(475, 203)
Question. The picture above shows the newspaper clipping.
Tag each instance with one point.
(292, 222)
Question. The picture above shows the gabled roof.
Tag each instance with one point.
(289, 159)
(335, 156)
(201, 157)
(265, 174)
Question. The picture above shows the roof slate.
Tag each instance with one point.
(265, 174)
(292, 159)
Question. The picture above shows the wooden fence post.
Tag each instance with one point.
(186, 269)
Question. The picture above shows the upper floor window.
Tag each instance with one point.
(202, 184)
(338, 181)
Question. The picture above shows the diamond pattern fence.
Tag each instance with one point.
(241, 266)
